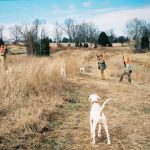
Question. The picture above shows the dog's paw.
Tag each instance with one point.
(93, 142)
(99, 135)
(108, 143)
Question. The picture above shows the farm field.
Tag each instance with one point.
(42, 110)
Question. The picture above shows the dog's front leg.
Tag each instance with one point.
(93, 132)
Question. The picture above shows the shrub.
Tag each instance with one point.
(103, 39)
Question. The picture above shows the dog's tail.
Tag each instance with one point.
(104, 104)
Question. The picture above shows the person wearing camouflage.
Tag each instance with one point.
(128, 70)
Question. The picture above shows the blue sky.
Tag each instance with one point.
(105, 14)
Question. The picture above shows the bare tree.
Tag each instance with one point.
(77, 33)
(68, 28)
(31, 34)
(135, 29)
(57, 33)
(86, 32)
(111, 35)
(43, 32)
(36, 28)
(93, 34)
(15, 32)
(1, 31)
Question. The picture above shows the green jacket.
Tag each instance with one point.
(102, 65)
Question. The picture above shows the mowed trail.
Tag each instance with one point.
(127, 114)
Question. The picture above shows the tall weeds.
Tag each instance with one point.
(30, 89)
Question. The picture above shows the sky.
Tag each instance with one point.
(105, 14)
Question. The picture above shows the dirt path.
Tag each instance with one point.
(127, 115)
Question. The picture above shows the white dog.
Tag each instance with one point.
(63, 71)
(97, 117)
(82, 70)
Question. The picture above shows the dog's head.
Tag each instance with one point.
(99, 57)
(82, 69)
(94, 98)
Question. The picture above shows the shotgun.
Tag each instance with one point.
(123, 59)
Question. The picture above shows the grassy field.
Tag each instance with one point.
(42, 110)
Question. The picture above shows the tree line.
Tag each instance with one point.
(36, 39)
(139, 30)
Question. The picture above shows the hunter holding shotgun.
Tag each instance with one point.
(128, 68)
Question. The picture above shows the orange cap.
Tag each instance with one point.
(128, 60)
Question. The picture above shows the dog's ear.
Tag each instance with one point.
(97, 56)
(98, 98)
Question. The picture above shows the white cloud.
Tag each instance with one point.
(104, 18)
(110, 18)
(86, 4)
(49, 28)
(58, 10)
(118, 19)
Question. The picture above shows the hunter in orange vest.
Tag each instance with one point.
(3, 51)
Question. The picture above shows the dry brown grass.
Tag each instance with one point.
(142, 59)
(17, 49)
(30, 90)
(71, 67)
(127, 113)
(41, 109)
(140, 66)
